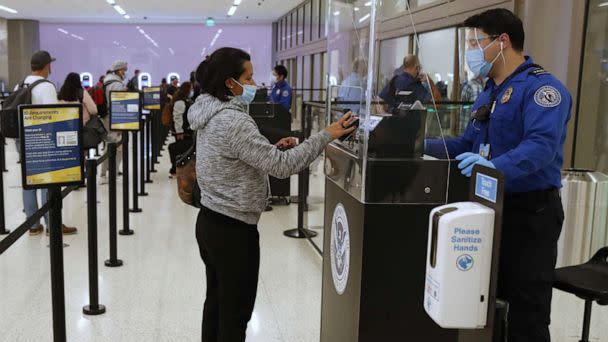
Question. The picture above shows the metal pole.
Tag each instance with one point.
(126, 230)
(587, 321)
(113, 261)
(94, 308)
(3, 151)
(3, 230)
(56, 248)
(149, 150)
(135, 177)
(142, 158)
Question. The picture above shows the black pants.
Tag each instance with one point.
(531, 227)
(231, 252)
(177, 148)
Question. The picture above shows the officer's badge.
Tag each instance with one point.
(285, 93)
(506, 96)
(278, 91)
(547, 96)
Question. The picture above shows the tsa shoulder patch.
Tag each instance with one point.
(547, 96)
(285, 93)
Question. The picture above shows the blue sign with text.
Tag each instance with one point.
(486, 187)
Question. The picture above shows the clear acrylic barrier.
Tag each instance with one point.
(390, 139)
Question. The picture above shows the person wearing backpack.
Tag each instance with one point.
(113, 82)
(133, 83)
(180, 127)
(42, 92)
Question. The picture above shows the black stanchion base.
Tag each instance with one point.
(4, 232)
(5, 170)
(113, 263)
(142, 194)
(126, 232)
(299, 233)
(157, 162)
(135, 210)
(154, 171)
(149, 181)
(94, 310)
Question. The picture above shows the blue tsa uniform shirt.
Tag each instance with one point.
(525, 133)
(281, 94)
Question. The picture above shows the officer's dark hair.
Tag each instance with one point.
(497, 21)
(281, 70)
(222, 65)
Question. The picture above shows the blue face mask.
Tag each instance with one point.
(477, 63)
(248, 93)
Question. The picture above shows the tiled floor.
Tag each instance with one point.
(157, 295)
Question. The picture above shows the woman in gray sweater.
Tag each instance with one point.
(232, 166)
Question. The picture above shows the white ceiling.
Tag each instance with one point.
(156, 11)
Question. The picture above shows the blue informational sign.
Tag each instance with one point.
(486, 187)
(125, 110)
(51, 145)
(151, 98)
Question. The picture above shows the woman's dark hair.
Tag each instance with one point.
(72, 88)
(223, 64)
(183, 92)
(497, 21)
(163, 81)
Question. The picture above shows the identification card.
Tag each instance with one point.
(484, 150)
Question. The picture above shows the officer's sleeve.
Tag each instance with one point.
(455, 146)
(544, 118)
(272, 97)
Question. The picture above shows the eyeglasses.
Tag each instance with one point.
(475, 42)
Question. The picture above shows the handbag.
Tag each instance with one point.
(93, 133)
(187, 185)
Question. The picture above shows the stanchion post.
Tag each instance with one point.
(94, 308)
(135, 177)
(113, 261)
(56, 249)
(3, 230)
(126, 230)
(301, 232)
(142, 158)
(149, 150)
(3, 151)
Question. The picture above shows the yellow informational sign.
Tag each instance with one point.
(152, 98)
(51, 151)
(125, 111)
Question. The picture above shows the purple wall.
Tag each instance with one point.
(92, 48)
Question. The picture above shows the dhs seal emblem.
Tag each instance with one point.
(340, 249)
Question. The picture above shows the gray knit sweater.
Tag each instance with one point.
(234, 160)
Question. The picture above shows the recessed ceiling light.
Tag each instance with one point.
(237, 2)
(368, 4)
(62, 31)
(336, 13)
(111, 2)
(126, 16)
(356, 9)
(119, 10)
(232, 10)
(364, 18)
(8, 9)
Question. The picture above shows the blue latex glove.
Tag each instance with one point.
(469, 159)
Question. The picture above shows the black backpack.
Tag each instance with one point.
(9, 115)
(104, 110)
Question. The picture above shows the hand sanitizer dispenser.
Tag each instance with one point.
(458, 266)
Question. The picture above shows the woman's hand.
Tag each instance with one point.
(339, 129)
(287, 143)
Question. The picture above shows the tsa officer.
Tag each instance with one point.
(281, 92)
(519, 127)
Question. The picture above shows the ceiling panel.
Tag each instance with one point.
(148, 11)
